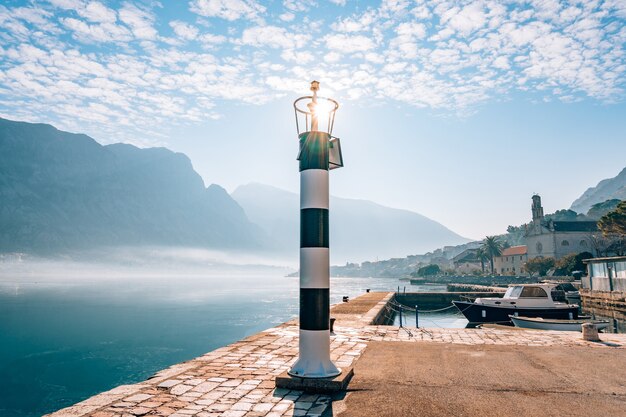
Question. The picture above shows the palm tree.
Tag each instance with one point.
(492, 247)
(482, 256)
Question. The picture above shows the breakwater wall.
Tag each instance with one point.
(474, 288)
(492, 281)
(433, 300)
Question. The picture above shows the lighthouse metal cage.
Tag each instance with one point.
(315, 113)
(315, 120)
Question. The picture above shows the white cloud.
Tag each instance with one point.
(68, 4)
(300, 57)
(211, 39)
(501, 62)
(332, 57)
(349, 44)
(140, 21)
(184, 30)
(104, 32)
(227, 9)
(97, 12)
(358, 24)
(466, 20)
(438, 54)
(299, 5)
(272, 36)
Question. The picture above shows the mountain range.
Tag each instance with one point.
(359, 229)
(608, 189)
(61, 191)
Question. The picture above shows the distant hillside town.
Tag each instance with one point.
(553, 244)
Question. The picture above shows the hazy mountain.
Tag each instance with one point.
(359, 230)
(608, 189)
(60, 191)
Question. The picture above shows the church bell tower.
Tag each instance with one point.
(537, 210)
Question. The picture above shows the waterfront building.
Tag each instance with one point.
(605, 274)
(467, 262)
(549, 238)
(603, 289)
(511, 261)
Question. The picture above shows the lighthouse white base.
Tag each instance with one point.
(314, 360)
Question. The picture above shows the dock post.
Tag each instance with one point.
(417, 318)
(400, 316)
(590, 332)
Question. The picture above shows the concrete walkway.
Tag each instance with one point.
(427, 380)
(238, 380)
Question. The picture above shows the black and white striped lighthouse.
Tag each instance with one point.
(319, 153)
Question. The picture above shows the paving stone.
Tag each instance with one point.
(138, 398)
(104, 414)
(140, 411)
(262, 407)
(169, 383)
(150, 404)
(123, 404)
(233, 413)
(165, 411)
(180, 389)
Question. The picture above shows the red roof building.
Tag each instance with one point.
(511, 261)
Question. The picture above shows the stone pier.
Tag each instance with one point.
(392, 366)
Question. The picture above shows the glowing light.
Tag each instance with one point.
(317, 113)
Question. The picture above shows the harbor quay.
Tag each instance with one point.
(397, 372)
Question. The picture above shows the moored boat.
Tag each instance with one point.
(527, 300)
(555, 324)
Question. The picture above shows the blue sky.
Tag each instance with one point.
(457, 110)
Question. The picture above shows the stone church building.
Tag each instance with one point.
(549, 238)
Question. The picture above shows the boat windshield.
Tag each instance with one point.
(534, 292)
(513, 292)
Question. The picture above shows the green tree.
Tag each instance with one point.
(482, 256)
(427, 270)
(572, 262)
(539, 265)
(565, 215)
(492, 247)
(614, 222)
(613, 228)
(600, 209)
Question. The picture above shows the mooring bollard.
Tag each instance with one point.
(590, 332)
(367, 290)
(400, 316)
(332, 324)
(417, 318)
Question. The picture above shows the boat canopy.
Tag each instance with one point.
(525, 291)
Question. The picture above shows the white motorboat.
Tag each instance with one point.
(555, 324)
(527, 300)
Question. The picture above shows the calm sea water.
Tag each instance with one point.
(63, 340)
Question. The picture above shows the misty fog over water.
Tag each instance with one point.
(65, 336)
